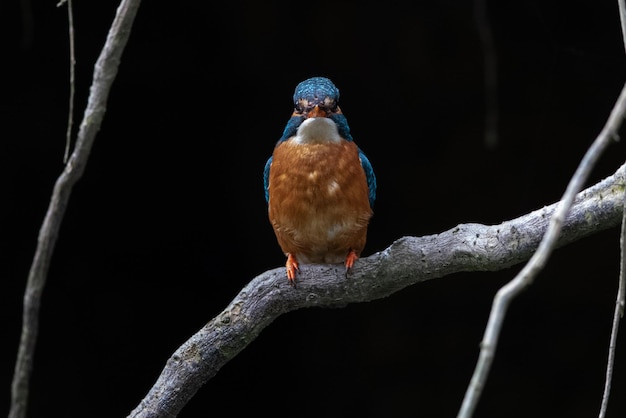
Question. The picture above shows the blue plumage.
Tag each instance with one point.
(316, 89)
(266, 179)
(369, 175)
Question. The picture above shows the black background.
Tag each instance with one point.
(169, 221)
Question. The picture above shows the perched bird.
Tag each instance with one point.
(319, 186)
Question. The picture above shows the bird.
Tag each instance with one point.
(320, 187)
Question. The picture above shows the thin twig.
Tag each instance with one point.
(525, 277)
(619, 304)
(617, 315)
(70, 114)
(490, 72)
(104, 73)
(28, 32)
(622, 17)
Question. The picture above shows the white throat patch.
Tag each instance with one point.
(317, 131)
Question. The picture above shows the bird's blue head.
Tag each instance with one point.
(316, 91)
(316, 97)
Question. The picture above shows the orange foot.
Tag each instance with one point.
(350, 259)
(292, 268)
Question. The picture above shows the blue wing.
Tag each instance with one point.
(369, 175)
(266, 179)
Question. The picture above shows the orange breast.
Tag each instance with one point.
(318, 204)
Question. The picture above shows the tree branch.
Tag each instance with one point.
(105, 72)
(409, 260)
(526, 276)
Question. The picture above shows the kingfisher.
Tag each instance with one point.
(320, 187)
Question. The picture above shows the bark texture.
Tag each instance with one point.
(409, 260)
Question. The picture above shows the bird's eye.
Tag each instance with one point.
(301, 104)
(331, 104)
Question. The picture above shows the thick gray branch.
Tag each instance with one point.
(409, 260)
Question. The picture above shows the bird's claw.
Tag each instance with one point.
(292, 268)
(350, 259)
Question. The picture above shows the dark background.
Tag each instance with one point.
(169, 221)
